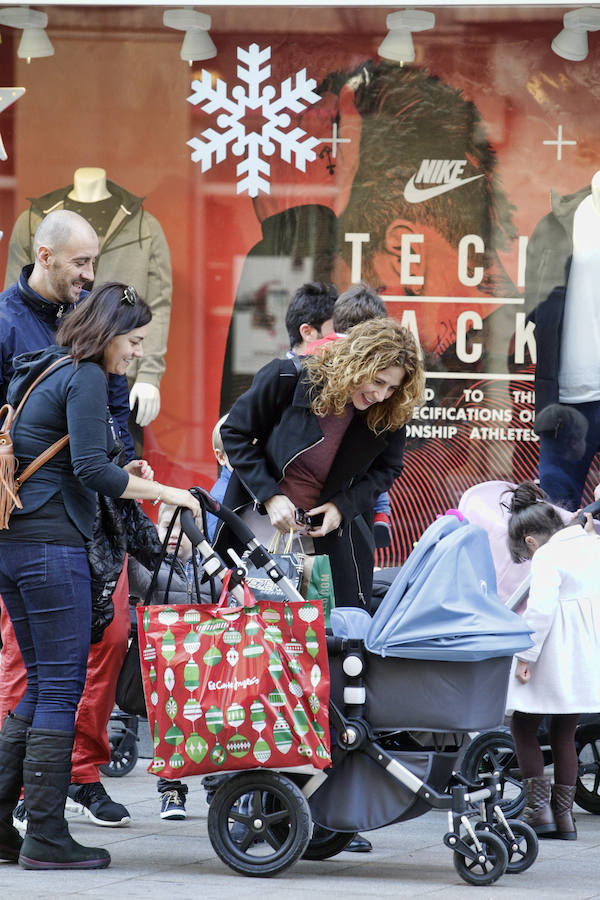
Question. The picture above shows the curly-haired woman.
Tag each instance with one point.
(326, 434)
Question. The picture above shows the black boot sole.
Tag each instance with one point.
(28, 863)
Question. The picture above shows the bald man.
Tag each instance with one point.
(65, 248)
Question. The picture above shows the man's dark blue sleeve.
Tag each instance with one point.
(118, 402)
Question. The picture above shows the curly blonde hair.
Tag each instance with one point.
(346, 364)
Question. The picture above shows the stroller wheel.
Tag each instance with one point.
(522, 849)
(123, 749)
(490, 864)
(587, 793)
(494, 751)
(259, 823)
(325, 843)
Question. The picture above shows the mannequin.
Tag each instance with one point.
(89, 185)
(579, 370)
(563, 278)
(133, 249)
(596, 192)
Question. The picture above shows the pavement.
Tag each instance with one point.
(157, 859)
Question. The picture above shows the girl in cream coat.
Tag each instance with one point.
(560, 675)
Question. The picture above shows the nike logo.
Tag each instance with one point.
(413, 194)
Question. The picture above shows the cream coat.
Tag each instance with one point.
(563, 613)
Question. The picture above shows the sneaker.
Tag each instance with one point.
(211, 784)
(20, 818)
(92, 801)
(172, 805)
(382, 530)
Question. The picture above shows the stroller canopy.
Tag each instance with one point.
(443, 604)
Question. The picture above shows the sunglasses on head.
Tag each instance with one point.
(129, 295)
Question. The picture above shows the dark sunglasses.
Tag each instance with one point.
(129, 295)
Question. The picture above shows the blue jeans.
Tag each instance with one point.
(382, 504)
(564, 465)
(46, 591)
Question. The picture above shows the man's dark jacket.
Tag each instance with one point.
(271, 424)
(29, 323)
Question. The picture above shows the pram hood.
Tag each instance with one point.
(443, 604)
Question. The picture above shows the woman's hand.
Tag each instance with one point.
(589, 524)
(282, 513)
(332, 519)
(141, 468)
(180, 497)
(523, 672)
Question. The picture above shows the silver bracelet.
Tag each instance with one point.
(158, 496)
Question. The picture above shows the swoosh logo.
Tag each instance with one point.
(417, 195)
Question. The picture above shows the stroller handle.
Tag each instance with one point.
(592, 508)
(238, 527)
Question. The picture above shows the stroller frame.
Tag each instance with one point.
(260, 822)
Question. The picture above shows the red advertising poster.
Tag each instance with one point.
(297, 154)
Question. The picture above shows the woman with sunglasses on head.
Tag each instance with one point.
(326, 434)
(44, 571)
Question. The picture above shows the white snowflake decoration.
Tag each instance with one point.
(253, 171)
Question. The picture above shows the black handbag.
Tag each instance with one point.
(289, 561)
(120, 527)
(129, 695)
(130, 691)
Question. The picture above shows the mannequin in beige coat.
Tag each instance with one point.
(133, 249)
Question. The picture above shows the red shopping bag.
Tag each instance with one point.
(231, 688)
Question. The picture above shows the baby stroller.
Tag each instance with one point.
(442, 643)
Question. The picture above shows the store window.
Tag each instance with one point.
(463, 186)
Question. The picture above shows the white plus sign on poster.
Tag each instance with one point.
(560, 143)
(334, 140)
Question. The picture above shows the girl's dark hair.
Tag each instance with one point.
(530, 514)
(109, 310)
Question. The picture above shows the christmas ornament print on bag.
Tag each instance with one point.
(235, 688)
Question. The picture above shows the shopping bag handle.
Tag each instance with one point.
(249, 599)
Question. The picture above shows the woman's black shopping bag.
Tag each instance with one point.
(129, 695)
(290, 562)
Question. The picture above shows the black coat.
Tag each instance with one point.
(270, 425)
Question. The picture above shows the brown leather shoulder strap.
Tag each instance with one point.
(39, 461)
(54, 448)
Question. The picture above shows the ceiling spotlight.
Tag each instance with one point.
(197, 42)
(398, 44)
(572, 42)
(35, 43)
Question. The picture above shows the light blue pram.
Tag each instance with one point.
(407, 685)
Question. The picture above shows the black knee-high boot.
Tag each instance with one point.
(47, 775)
(13, 738)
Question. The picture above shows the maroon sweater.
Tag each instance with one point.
(305, 476)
